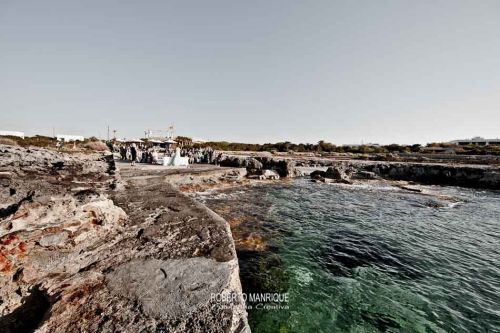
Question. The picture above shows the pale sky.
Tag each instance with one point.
(253, 71)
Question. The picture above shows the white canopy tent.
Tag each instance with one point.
(134, 141)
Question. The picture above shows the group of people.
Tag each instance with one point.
(198, 155)
(134, 153)
(152, 155)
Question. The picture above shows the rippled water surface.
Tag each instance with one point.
(367, 258)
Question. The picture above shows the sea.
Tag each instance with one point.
(366, 258)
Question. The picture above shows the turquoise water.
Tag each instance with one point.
(368, 258)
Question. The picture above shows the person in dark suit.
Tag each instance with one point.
(133, 153)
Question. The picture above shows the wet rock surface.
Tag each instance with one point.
(80, 246)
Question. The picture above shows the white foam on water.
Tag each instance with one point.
(302, 275)
(453, 204)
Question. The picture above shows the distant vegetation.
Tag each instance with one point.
(183, 140)
(325, 148)
(37, 141)
(96, 145)
(8, 141)
(320, 148)
(92, 143)
(469, 149)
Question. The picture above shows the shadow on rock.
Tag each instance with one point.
(28, 316)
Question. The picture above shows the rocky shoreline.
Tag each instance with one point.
(474, 176)
(84, 248)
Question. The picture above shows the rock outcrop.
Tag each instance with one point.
(335, 174)
(82, 250)
(475, 176)
(256, 165)
(265, 175)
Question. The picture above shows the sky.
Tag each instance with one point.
(253, 71)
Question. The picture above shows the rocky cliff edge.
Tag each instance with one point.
(82, 250)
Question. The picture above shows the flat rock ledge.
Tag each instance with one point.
(86, 249)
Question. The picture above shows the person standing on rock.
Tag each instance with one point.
(133, 152)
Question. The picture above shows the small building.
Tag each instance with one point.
(12, 133)
(69, 138)
(477, 141)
